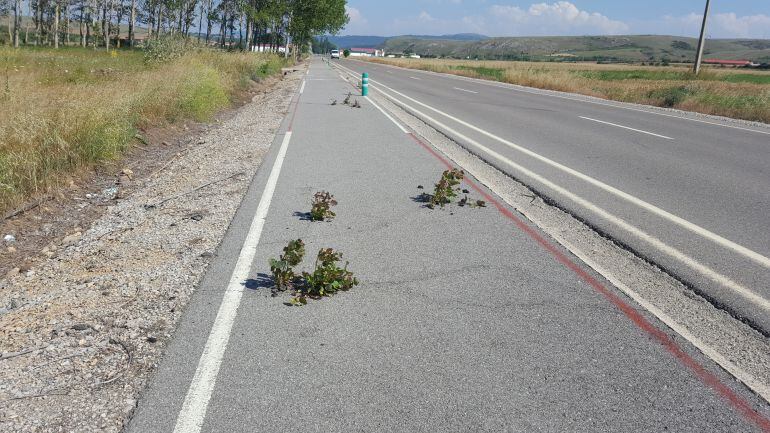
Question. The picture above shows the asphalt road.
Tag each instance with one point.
(689, 193)
(466, 319)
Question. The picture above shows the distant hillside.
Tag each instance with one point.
(379, 41)
(610, 48)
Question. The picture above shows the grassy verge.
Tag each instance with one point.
(72, 108)
(731, 93)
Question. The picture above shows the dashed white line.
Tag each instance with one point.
(626, 127)
(657, 243)
(415, 78)
(302, 88)
(193, 412)
(623, 224)
(746, 252)
(464, 90)
(577, 98)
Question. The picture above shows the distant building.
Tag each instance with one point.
(733, 63)
(366, 52)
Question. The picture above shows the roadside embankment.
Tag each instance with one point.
(64, 110)
(82, 329)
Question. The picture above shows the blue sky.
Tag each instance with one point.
(729, 18)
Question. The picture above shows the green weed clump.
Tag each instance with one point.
(321, 206)
(446, 189)
(327, 278)
(65, 110)
(283, 268)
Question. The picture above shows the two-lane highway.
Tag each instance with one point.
(690, 193)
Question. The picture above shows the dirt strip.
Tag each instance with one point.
(84, 324)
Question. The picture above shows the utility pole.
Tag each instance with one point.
(702, 40)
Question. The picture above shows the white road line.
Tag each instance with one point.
(748, 379)
(415, 78)
(387, 115)
(545, 92)
(638, 233)
(464, 90)
(626, 127)
(193, 412)
(726, 243)
(302, 88)
(658, 244)
(756, 385)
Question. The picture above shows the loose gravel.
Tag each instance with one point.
(81, 331)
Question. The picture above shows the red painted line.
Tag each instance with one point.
(664, 339)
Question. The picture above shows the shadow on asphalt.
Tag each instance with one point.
(262, 281)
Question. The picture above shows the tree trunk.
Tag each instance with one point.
(38, 24)
(223, 29)
(16, 23)
(160, 20)
(56, 26)
(105, 27)
(208, 21)
(200, 22)
(131, 21)
(67, 23)
(82, 35)
(240, 32)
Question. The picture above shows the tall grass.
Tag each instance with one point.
(740, 95)
(62, 110)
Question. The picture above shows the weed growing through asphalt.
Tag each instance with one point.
(321, 209)
(283, 268)
(346, 101)
(334, 102)
(447, 189)
(356, 104)
(327, 278)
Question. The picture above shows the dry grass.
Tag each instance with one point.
(67, 109)
(733, 93)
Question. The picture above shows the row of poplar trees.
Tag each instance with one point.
(232, 23)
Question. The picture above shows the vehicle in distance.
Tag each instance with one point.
(335, 54)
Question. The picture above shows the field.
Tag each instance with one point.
(736, 93)
(630, 48)
(67, 109)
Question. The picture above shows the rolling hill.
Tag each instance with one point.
(642, 48)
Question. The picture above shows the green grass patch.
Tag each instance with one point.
(747, 78)
(483, 71)
(636, 75)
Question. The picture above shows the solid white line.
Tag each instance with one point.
(193, 413)
(302, 88)
(371, 101)
(626, 127)
(748, 379)
(745, 377)
(746, 252)
(553, 94)
(655, 242)
(465, 90)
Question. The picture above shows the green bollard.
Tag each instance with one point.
(365, 84)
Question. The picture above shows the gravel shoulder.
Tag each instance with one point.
(83, 327)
